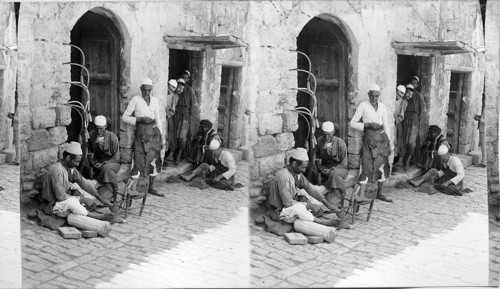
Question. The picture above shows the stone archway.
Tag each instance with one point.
(326, 43)
(98, 35)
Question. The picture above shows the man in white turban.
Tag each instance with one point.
(104, 154)
(289, 187)
(218, 165)
(331, 160)
(449, 179)
(148, 141)
(377, 145)
(63, 185)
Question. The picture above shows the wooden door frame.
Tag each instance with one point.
(229, 98)
(115, 31)
(457, 117)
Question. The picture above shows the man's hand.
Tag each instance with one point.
(477, 117)
(10, 115)
(447, 183)
(326, 171)
(98, 165)
(218, 178)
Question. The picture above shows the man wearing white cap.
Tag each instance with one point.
(218, 165)
(399, 115)
(104, 157)
(60, 195)
(450, 178)
(331, 162)
(377, 145)
(286, 187)
(411, 123)
(184, 110)
(148, 141)
(172, 99)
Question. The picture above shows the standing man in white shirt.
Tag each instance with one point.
(148, 141)
(377, 145)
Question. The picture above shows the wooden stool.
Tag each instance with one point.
(131, 193)
(355, 203)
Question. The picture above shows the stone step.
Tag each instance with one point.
(476, 156)
(247, 152)
(237, 154)
(466, 160)
(10, 155)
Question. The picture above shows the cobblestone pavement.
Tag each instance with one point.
(10, 244)
(190, 238)
(494, 254)
(419, 240)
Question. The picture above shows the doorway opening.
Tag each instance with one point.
(455, 109)
(328, 48)
(420, 66)
(100, 41)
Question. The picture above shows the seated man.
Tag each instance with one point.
(58, 192)
(219, 165)
(331, 161)
(448, 180)
(104, 154)
(428, 157)
(287, 186)
(201, 141)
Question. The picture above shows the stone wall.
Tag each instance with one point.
(492, 90)
(279, 25)
(263, 117)
(44, 27)
(8, 72)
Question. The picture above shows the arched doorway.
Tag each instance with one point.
(100, 40)
(328, 48)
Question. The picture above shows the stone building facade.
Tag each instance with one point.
(8, 73)
(365, 44)
(492, 92)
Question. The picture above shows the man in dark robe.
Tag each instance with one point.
(182, 119)
(331, 158)
(201, 141)
(104, 154)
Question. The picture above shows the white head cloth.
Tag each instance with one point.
(300, 154)
(327, 126)
(74, 148)
(214, 144)
(100, 120)
(375, 87)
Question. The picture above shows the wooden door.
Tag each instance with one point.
(327, 67)
(455, 110)
(101, 60)
(225, 104)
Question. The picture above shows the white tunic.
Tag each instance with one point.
(140, 108)
(366, 111)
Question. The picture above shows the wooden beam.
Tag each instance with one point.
(185, 47)
(415, 52)
(229, 62)
(458, 68)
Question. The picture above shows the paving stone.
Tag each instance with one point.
(415, 220)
